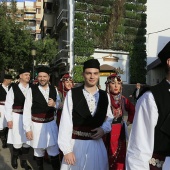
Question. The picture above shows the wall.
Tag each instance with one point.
(155, 75)
(123, 63)
(158, 27)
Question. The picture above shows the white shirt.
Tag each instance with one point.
(45, 92)
(65, 140)
(10, 101)
(141, 141)
(28, 105)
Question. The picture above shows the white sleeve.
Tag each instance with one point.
(141, 142)
(8, 105)
(107, 124)
(27, 122)
(65, 140)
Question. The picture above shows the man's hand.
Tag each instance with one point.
(60, 105)
(51, 102)
(70, 158)
(99, 133)
(29, 135)
(10, 124)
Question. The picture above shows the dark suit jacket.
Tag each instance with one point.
(134, 93)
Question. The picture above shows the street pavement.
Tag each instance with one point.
(5, 159)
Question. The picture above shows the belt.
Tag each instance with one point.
(2, 102)
(42, 118)
(157, 161)
(83, 133)
(17, 109)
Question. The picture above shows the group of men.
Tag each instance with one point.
(29, 113)
(86, 117)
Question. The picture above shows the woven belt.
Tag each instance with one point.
(157, 161)
(2, 102)
(19, 111)
(83, 134)
(42, 120)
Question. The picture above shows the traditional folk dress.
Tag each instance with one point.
(62, 90)
(117, 137)
(39, 118)
(3, 92)
(149, 141)
(3, 122)
(14, 112)
(82, 112)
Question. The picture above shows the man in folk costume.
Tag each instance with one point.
(85, 118)
(4, 87)
(38, 119)
(149, 141)
(14, 114)
(116, 139)
(65, 84)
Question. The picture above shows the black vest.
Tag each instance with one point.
(39, 104)
(161, 95)
(19, 97)
(81, 113)
(2, 93)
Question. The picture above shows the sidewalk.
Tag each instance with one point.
(5, 159)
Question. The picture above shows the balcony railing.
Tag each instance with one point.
(62, 17)
(29, 17)
(62, 55)
(30, 10)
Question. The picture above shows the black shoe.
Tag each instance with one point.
(3, 138)
(14, 162)
(25, 165)
(39, 161)
(4, 143)
(55, 162)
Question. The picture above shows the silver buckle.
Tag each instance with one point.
(156, 162)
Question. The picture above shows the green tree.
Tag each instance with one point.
(46, 50)
(78, 68)
(15, 40)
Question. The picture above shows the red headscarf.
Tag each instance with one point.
(62, 88)
(115, 98)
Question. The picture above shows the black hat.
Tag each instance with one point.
(24, 70)
(164, 54)
(44, 69)
(92, 63)
(7, 76)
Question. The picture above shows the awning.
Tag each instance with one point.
(154, 64)
(106, 67)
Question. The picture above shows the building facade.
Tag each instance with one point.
(80, 28)
(158, 35)
(31, 13)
